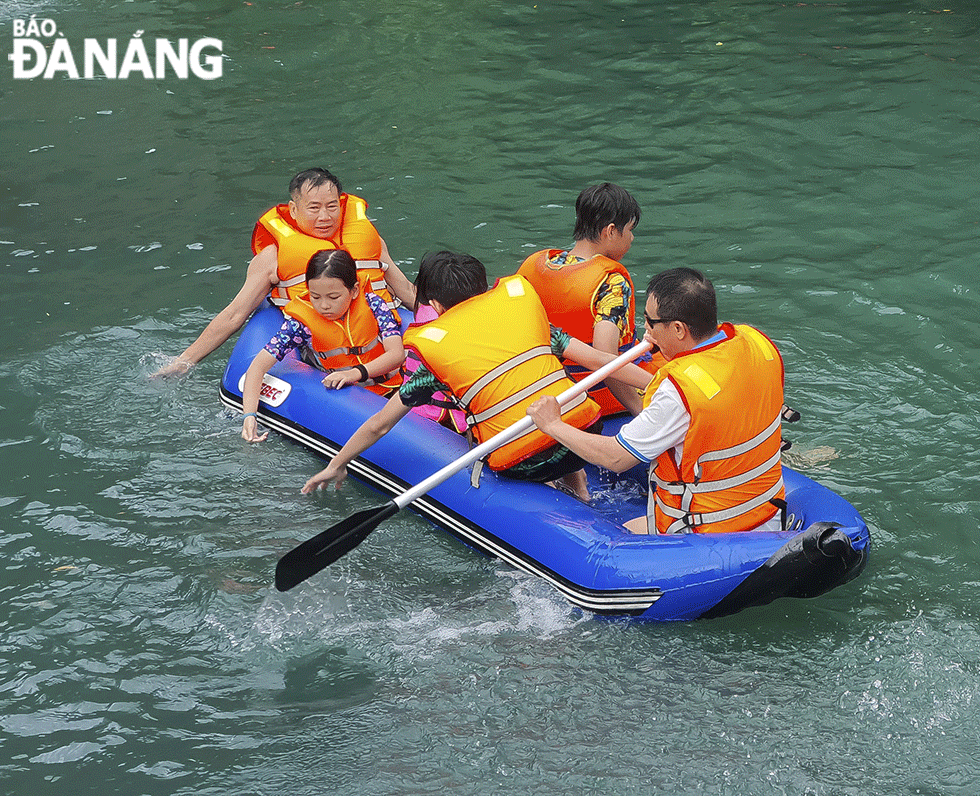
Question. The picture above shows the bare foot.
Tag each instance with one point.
(637, 525)
(577, 484)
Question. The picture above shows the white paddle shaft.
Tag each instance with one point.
(522, 426)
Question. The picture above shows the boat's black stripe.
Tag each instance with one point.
(600, 601)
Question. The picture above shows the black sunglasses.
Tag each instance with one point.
(654, 321)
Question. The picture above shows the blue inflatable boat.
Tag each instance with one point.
(579, 549)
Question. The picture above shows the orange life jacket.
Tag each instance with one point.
(730, 468)
(356, 235)
(568, 292)
(352, 340)
(494, 353)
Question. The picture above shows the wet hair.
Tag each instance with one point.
(335, 263)
(601, 205)
(687, 295)
(312, 178)
(449, 278)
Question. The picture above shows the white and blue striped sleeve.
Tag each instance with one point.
(659, 427)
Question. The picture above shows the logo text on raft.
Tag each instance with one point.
(269, 392)
(31, 57)
(273, 392)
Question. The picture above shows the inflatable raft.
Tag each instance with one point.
(579, 549)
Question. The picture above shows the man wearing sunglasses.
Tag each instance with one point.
(710, 426)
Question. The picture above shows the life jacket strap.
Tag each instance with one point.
(701, 487)
(523, 394)
(780, 504)
(686, 521)
(279, 295)
(378, 284)
(501, 369)
(476, 473)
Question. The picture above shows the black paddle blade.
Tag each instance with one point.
(322, 550)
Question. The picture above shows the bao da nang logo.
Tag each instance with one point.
(108, 58)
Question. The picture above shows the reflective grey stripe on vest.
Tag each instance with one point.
(684, 520)
(528, 391)
(377, 285)
(679, 487)
(283, 285)
(500, 370)
(742, 447)
(355, 351)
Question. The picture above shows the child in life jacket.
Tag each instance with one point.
(587, 291)
(340, 327)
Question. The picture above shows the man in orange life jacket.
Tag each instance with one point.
(589, 293)
(494, 352)
(319, 216)
(710, 427)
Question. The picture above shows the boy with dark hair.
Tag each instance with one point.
(449, 278)
(587, 291)
(601, 205)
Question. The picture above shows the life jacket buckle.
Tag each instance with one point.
(476, 473)
(781, 504)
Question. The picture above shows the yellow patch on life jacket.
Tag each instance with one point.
(359, 213)
(281, 226)
(433, 333)
(515, 287)
(702, 380)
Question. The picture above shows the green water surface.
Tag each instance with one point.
(818, 160)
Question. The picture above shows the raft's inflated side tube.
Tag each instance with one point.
(812, 562)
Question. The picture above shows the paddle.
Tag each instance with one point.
(327, 546)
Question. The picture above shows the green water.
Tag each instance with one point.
(818, 160)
